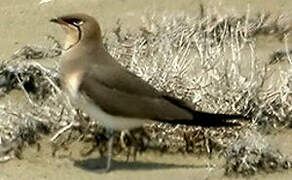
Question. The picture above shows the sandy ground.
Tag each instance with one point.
(41, 165)
(26, 22)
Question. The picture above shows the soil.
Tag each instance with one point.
(38, 163)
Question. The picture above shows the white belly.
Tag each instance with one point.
(107, 120)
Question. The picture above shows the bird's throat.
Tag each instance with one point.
(72, 38)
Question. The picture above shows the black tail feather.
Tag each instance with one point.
(205, 119)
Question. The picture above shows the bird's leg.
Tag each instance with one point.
(110, 148)
(110, 133)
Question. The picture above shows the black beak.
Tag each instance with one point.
(55, 20)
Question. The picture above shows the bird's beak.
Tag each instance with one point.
(58, 21)
(54, 20)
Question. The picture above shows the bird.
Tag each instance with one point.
(100, 86)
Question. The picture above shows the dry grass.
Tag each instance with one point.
(251, 154)
(198, 60)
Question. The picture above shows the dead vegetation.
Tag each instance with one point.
(251, 154)
(196, 59)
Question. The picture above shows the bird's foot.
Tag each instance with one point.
(103, 170)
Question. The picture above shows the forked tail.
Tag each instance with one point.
(205, 119)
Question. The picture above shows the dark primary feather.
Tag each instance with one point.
(204, 119)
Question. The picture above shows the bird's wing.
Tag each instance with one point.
(122, 94)
(117, 77)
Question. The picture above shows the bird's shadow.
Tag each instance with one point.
(95, 164)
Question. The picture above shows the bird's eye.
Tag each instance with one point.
(77, 22)
(73, 21)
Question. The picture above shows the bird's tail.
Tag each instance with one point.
(206, 119)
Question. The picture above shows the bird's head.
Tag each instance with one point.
(78, 28)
